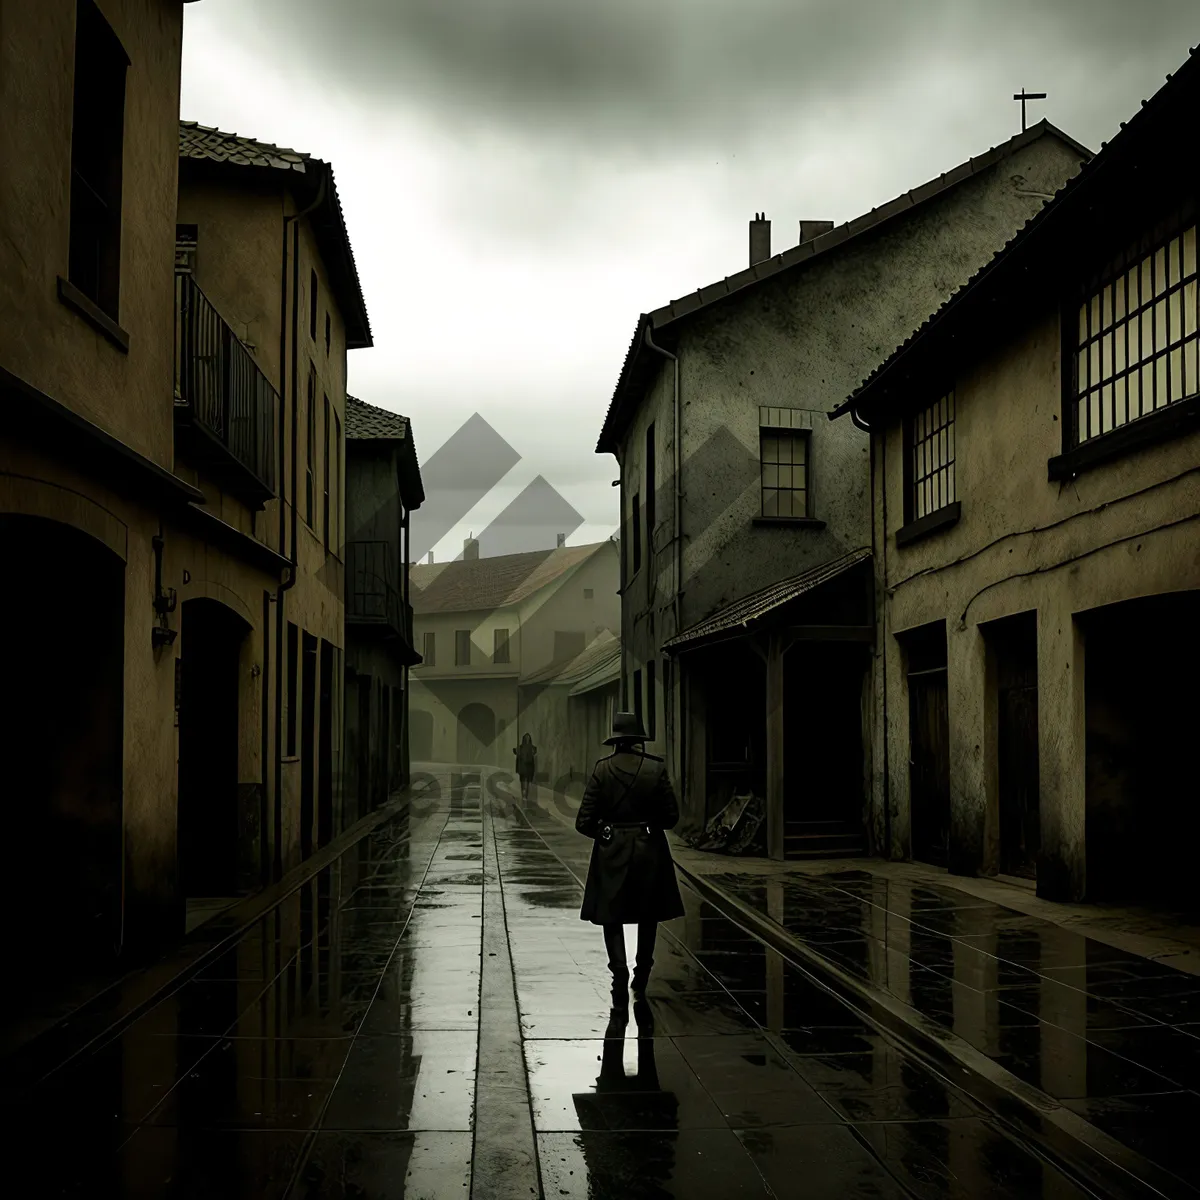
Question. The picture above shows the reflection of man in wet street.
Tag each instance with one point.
(629, 1124)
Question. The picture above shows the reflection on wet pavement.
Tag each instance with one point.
(332, 1052)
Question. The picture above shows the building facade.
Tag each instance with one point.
(480, 624)
(383, 487)
(745, 514)
(1035, 496)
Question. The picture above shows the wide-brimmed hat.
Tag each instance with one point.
(627, 727)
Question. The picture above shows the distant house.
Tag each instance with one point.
(747, 582)
(568, 707)
(383, 487)
(1035, 498)
(480, 624)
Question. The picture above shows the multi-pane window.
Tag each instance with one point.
(97, 140)
(500, 646)
(783, 443)
(1137, 341)
(462, 647)
(930, 453)
(429, 649)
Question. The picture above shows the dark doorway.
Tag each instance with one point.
(735, 682)
(476, 733)
(325, 750)
(61, 737)
(1014, 644)
(1143, 710)
(211, 637)
(929, 744)
(308, 742)
(364, 745)
(421, 735)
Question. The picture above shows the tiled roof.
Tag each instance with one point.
(484, 584)
(1050, 216)
(608, 670)
(368, 421)
(738, 617)
(204, 144)
(800, 255)
(577, 667)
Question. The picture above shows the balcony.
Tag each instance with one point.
(225, 407)
(373, 600)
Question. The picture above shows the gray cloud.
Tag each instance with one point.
(688, 71)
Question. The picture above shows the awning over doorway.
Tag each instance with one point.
(745, 615)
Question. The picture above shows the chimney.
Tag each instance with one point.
(813, 229)
(760, 239)
(430, 559)
(470, 548)
(562, 540)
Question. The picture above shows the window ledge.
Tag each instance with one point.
(1174, 421)
(935, 522)
(93, 314)
(795, 522)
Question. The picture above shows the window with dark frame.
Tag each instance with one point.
(293, 664)
(312, 304)
(462, 647)
(500, 646)
(311, 439)
(929, 459)
(97, 144)
(429, 649)
(650, 486)
(338, 500)
(1138, 341)
(325, 474)
(651, 699)
(637, 533)
(784, 455)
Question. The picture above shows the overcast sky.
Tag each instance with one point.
(522, 178)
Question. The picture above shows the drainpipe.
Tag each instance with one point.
(290, 582)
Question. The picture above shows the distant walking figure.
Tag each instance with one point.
(526, 754)
(626, 805)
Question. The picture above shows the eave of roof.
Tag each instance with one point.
(370, 423)
(629, 384)
(210, 147)
(578, 666)
(741, 616)
(898, 367)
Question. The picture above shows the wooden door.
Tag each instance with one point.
(929, 765)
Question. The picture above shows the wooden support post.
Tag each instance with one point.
(775, 727)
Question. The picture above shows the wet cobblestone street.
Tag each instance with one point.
(337, 1050)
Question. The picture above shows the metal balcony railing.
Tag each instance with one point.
(220, 390)
(372, 596)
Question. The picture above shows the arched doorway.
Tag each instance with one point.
(476, 733)
(61, 739)
(211, 639)
(420, 735)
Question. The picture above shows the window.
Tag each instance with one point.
(783, 450)
(500, 646)
(338, 499)
(311, 440)
(651, 699)
(97, 141)
(637, 696)
(637, 533)
(429, 649)
(293, 663)
(327, 333)
(650, 486)
(1136, 350)
(462, 647)
(568, 645)
(312, 304)
(929, 459)
(325, 472)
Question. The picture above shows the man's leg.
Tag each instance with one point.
(647, 935)
(618, 964)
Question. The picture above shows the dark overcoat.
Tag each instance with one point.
(631, 878)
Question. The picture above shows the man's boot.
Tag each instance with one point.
(618, 965)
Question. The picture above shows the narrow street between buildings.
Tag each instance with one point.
(428, 1018)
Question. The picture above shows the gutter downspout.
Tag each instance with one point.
(881, 620)
(286, 585)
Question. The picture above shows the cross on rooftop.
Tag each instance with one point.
(1023, 96)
